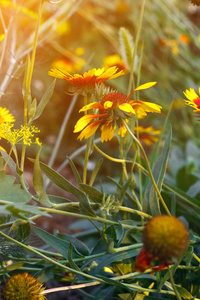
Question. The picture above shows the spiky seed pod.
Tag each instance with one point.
(22, 287)
(195, 2)
(165, 238)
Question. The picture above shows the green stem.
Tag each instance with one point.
(148, 167)
(68, 269)
(32, 64)
(134, 211)
(27, 94)
(124, 171)
(135, 47)
(173, 284)
(87, 154)
(7, 160)
(118, 160)
(98, 219)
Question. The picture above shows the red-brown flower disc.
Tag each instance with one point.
(195, 2)
(165, 238)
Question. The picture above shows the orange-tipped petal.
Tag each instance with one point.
(89, 130)
(92, 105)
(84, 121)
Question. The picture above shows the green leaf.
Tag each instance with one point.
(72, 264)
(20, 210)
(14, 266)
(32, 110)
(182, 197)
(154, 298)
(182, 291)
(106, 260)
(64, 184)
(59, 245)
(194, 189)
(116, 232)
(45, 99)
(79, 246)
(93, 194)
(1, 161)
(95, 171)
(12, 192)
(151, 201)
(114, 282)
(39, 184)
(26, 76)
(126, 45)
(75, 171)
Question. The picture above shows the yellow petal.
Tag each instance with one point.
(127, 108)
(146, 86)
(122, 131)
(107, 132)
(58, 73)
(2, 36)
(3, 149)
(84, 121)
(89, 130)
(91, 105)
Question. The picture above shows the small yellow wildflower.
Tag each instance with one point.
(16, 136)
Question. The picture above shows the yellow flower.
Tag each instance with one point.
(23, 287)
(193, 99)
(113, 108)
(115, 60)
(5, 116)
(148, 135)
(84, 83)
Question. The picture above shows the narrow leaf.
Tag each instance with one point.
(151, 202)
(79, 246)
(93, 194)
(64, 184)
(39, 184)
(32, 110)
(72, 264)
(59, 245)
(95, 171)
(26, 76)
(106, 260)
(75, 171)
(45, 99)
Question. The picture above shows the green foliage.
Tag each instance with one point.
(98, 204)
(11, 192)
